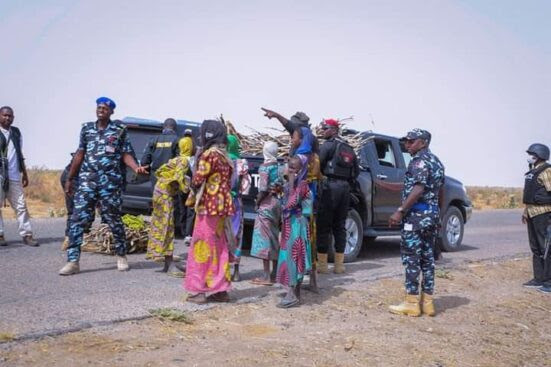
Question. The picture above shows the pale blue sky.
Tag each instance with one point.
(477, 74)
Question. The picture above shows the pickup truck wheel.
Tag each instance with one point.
(451, 234)
(354, 237)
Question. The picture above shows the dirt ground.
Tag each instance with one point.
(485, 318)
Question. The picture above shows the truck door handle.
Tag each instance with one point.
(382, 177)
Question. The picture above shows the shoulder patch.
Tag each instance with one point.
(419, 163)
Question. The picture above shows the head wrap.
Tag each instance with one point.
(300, 118)
(212, 132)
(270, 152)
(305, 146)
(186, 146)
(106, 101)
(233, 148)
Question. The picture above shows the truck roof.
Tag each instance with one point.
(156, 123)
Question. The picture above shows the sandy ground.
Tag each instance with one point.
(485, 318)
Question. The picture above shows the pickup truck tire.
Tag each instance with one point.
(451, 234)
(354, 237)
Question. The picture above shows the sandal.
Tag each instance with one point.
(219, 297)
(288, 304)
(198, 299)
(260, 281)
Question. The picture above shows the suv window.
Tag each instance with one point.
(385, 153)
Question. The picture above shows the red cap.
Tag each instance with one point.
(331, 122)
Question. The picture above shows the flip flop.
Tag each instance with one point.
(260, 281)
(284, 304)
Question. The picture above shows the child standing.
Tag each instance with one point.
(265, 244)
(294, 254)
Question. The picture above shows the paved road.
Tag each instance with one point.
(35, 301)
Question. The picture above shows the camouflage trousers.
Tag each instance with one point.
(85, 201)
(418, 257)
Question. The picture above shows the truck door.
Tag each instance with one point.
(387, 171)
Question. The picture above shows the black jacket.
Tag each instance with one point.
(160, 149)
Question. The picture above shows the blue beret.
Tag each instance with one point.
(106, 101)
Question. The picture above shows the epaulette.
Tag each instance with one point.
(119, 124)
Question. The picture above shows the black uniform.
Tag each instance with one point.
(538, 199)
(335, 196)
(160, 150)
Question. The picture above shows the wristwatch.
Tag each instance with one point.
(400, 209)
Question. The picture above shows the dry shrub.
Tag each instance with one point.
(44, 186)
(487, 197)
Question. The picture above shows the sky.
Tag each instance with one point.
(476, 74)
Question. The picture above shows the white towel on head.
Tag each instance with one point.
(270, 152)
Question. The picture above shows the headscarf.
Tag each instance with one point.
(270, 152)
(212, 132)
(233, 147)
(301, 119)
(305, 146)
(186, 146)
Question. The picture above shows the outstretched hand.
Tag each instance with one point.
(268, 113)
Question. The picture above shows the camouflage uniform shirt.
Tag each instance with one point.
(103, 151)
(425, 169)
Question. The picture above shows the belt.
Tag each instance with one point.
(421, 207)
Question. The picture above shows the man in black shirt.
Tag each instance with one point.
(161, 149)
(339, 165)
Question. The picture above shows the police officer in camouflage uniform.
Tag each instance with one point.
(419, 216)
(104, 147)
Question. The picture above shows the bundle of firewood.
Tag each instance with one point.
(100, 239)
(252, 144)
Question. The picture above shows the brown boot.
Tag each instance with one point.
(3, 241)
(339, 263)
(322, 264)
(72, 267)
(409, 307)
(427, 304)
(122, 263)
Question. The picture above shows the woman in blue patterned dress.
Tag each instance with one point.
(294, 250)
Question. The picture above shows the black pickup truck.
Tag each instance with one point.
(382, 158)
(136, 198)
